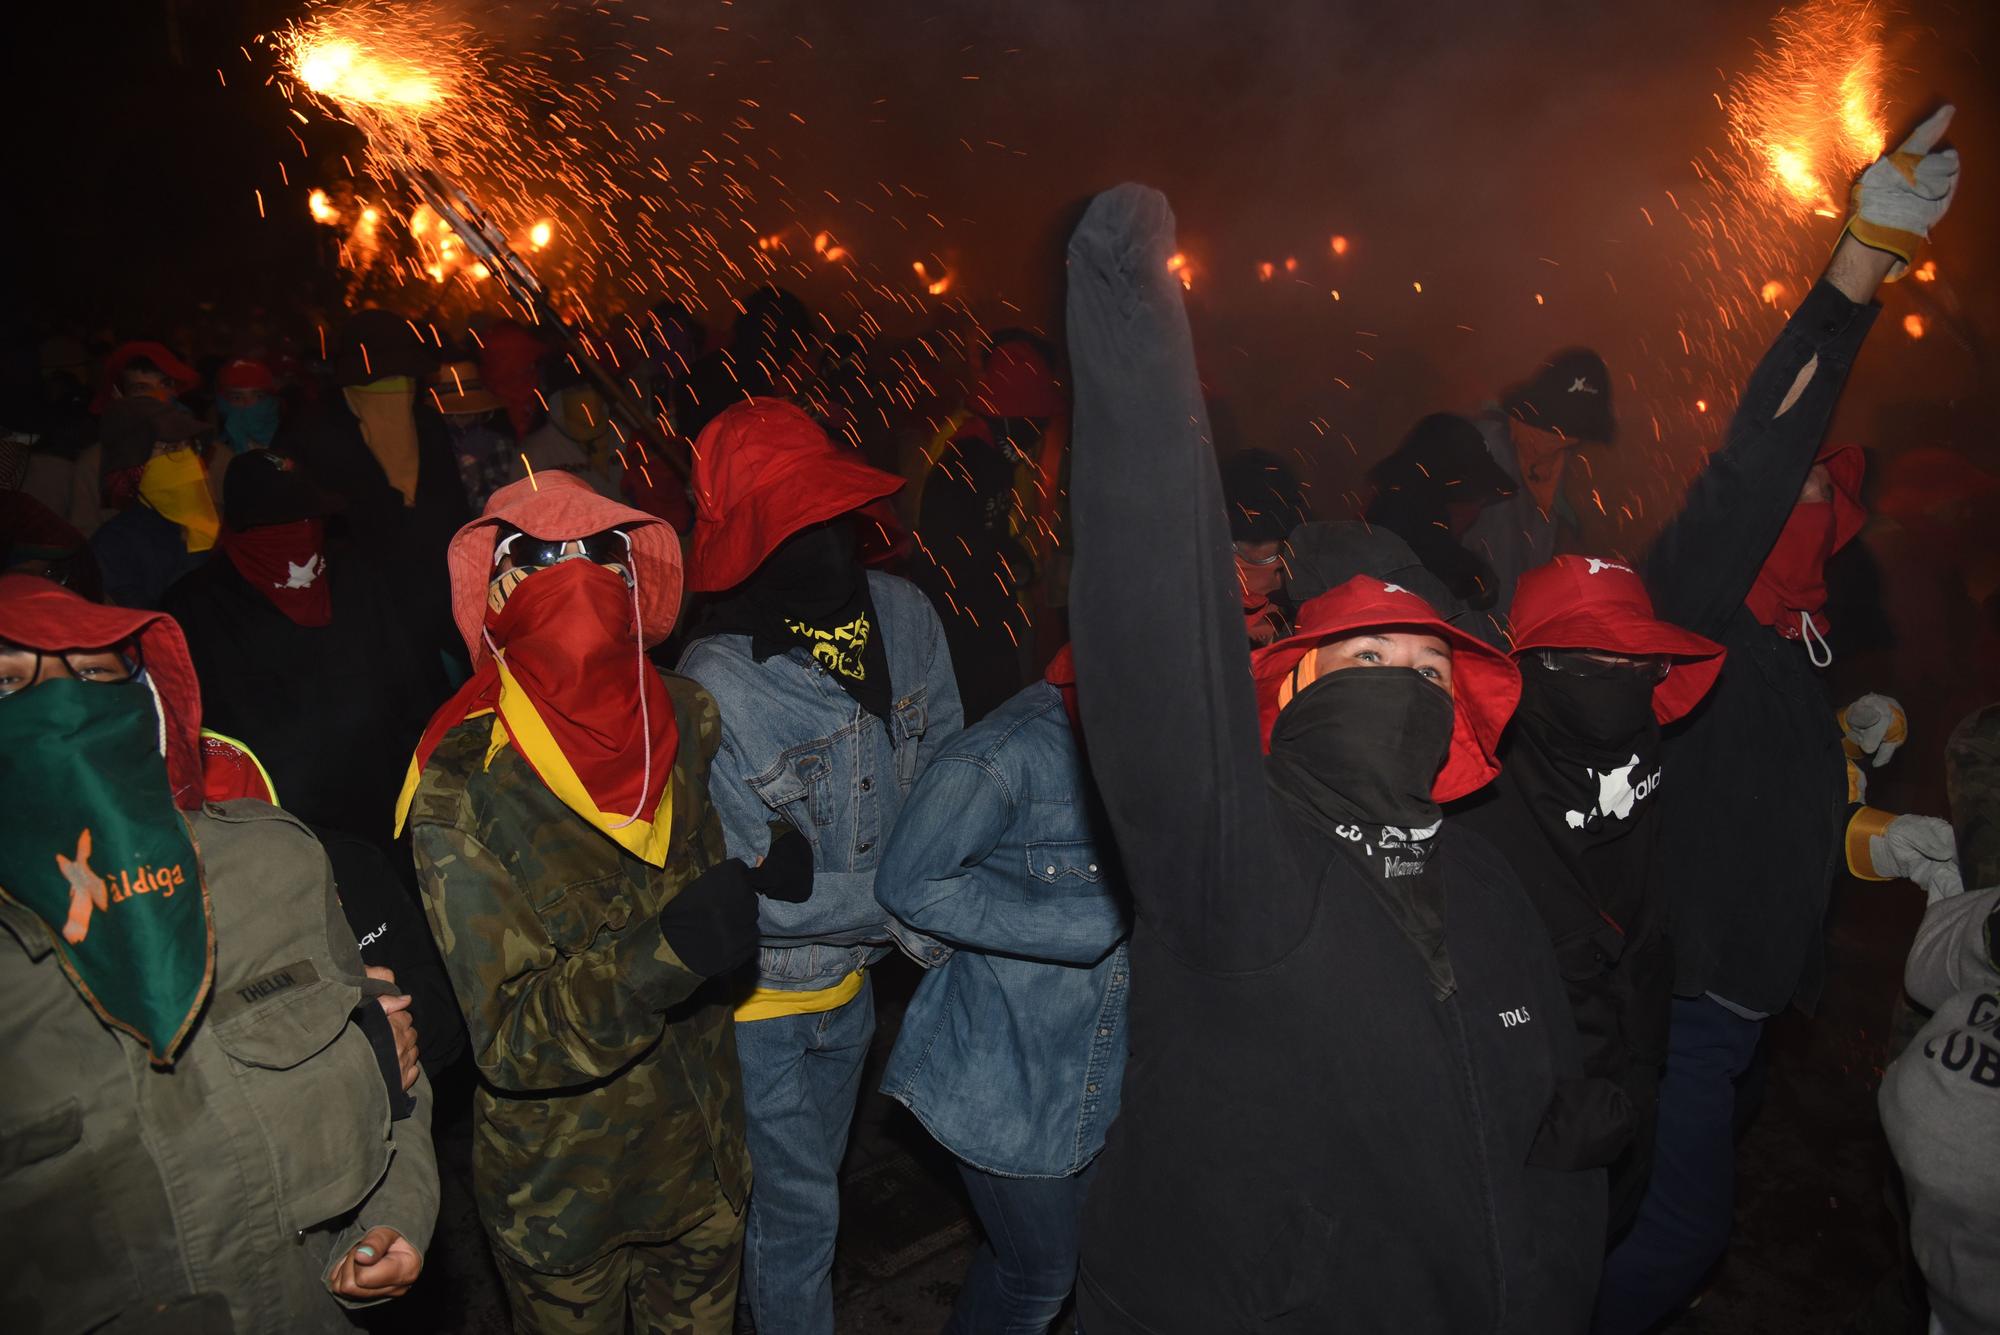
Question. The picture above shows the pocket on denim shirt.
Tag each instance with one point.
(1073, 862)
(800, 785)
(910, 719)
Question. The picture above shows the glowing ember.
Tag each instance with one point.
(1178, 266)
(1264, 271)
(1771, 291)
(322, 209)
(1925, 272)
(1701, 405)
(1339, 245)
(1915, 325)
(346, 71)
(541, 234)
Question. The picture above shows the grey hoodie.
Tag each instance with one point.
(1940, 1104)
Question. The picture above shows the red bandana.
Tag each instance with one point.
(567, 686)
(1061, 674)
(287, 564)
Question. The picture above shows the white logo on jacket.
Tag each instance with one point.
(1581, 386)
(1519, 1015)
(1616, 793)
(1599, 566)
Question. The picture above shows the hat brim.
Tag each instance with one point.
(479, 401)
(728, 548)
(1697, 660)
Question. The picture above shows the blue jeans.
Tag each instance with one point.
(801, 1076)
(1683, 1223)
(1025, 1269)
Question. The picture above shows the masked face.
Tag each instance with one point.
(1364, 745)
(249, 419)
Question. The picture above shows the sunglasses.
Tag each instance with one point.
(1576, 663)
(611, 547)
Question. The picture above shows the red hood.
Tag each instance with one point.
(37, 614)
(558, 505)
(1583, 602)
(763, 470)
(1485, 683)
(184, 376)
(1847, 465)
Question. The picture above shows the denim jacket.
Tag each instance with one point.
(1013, 1049)
(796, 747)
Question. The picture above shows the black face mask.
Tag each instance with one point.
(812, 574)
(1363, 744)
(1584, 750)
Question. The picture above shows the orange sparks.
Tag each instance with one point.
(1915, 325)
(1701, 405)
(1810, 112)
(322, 209)
(1771, 291)
(1177, 265)
(541, 234)
(1264, 271)
(1925, 272)
(1338, 245)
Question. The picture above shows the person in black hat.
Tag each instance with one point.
(301, 653)
(1430, 491)
(381, 447)
(1266, 501)
(1531, 433)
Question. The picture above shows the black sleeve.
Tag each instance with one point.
(1170, 716)
(382, 912)
(1704, 562)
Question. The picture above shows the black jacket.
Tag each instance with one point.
(332, 711)
(1617, 974)
(972, 569)
(1755, 795)
(1308, 1140)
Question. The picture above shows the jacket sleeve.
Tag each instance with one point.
(1162, 661)
(1952, 949)
(956, 818)
(1706, 559)
(539, 1019)
(945, 714)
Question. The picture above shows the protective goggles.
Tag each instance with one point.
(1579, 663)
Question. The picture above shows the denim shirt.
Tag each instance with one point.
(796, 747)
(1013, 1049)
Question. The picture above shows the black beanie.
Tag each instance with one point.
(1570, 395)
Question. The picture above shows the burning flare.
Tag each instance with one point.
(1810, 112)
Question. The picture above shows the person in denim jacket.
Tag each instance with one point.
(1013, 1050)
(836, 690)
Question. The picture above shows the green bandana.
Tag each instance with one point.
(93, 847)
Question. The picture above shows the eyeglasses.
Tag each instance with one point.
(1250, 560)
(21, 668)
(611, 547)
(1579, 663)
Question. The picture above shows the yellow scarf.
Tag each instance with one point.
(176, 485)
(389, 425)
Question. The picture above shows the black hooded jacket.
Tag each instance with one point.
(1756, 801)
(1309, 1139)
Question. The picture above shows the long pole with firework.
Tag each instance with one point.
(413, 85)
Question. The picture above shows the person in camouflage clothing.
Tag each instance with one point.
(575, 879)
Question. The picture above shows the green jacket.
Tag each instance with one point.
(609, 1110)
(217, 1195)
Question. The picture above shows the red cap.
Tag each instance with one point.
(1016, 382)
(763, 470)
(36, 613)
(184, 376)
(1586, 602)
(1485, 684)
(246, 373)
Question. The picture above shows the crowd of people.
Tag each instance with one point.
(1353, 923)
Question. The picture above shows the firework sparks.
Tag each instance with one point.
(1810, 112)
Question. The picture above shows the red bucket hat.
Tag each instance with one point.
(185, 377)
(1485, 683)
(36, 613)
(246, 373)
(1585, 602)
(763, 470)
(1016, 382)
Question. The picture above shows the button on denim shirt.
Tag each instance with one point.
(1013, 1050)
(796, 747)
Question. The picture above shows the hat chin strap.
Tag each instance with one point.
(645, 708)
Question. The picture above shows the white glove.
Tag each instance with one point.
(1920, 849)
(1903, 194)
(1876, 726)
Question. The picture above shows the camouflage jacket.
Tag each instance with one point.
(609, 1110)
